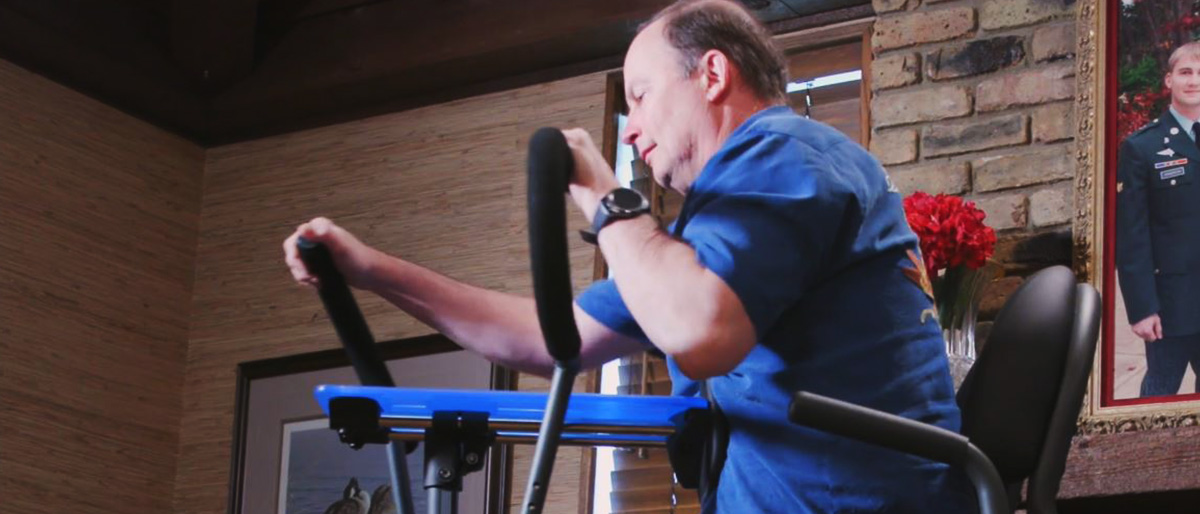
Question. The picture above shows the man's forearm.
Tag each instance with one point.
(502, 327)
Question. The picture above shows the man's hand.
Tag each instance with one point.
(592, 178)
(1149, 329)
(354, 259)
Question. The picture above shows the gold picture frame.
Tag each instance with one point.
(1095, 102)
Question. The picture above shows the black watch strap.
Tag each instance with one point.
(619, 204)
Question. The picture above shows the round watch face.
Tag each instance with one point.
(624, 200)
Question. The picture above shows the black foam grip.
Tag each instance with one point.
(343, 311)
(550, 167)
(876, 427)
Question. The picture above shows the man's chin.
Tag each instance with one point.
(1191, 101)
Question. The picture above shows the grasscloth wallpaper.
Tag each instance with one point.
(443, 186)
(138, 270)
(99, 215)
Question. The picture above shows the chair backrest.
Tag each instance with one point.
(1012, 400)
(1043, 484)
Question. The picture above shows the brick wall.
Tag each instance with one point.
(975, 98)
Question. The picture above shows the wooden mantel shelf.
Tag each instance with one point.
(1151, 471)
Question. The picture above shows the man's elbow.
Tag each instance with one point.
(717, 336)
(716, 353)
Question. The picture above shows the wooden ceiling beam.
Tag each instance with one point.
(226, 70)
(127, 72)
(244, 117)
(212, 41)
(393, 37)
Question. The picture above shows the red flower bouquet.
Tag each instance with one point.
(951, 231)
(956, 247)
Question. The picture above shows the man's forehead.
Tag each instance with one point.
(1191, 62)
(647, 56)
(648, 42)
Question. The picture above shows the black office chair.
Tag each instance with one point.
(1019, 402)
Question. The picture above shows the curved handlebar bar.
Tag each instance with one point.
(550, 167)
(343, 311)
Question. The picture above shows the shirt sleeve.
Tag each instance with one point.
(1133, 251)
(602, 302)
(769, 245)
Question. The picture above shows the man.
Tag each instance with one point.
(1158, 223)
(790, 267)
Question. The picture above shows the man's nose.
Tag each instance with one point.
(631, 133)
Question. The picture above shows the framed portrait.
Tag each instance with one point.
(1135, 195)
(286, 460)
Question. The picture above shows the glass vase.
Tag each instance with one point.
(959, 291)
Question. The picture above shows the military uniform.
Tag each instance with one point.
(1158, 245)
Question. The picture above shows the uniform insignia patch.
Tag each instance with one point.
(1167, 152)
(1171, 173)
(920, 277)
(1168, 164)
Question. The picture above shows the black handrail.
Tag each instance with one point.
(356, 338)
(550, 167)
(904, 435)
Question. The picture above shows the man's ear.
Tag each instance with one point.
(716, 73)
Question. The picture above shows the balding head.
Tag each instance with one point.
(695, 26)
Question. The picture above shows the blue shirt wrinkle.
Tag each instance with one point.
(806, 228)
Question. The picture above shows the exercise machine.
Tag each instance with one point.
(458, 427)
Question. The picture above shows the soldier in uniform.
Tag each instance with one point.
(1158, 230)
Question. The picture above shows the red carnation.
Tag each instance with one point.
(951, 231)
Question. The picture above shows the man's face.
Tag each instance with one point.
(666, 109)
(1184, 82)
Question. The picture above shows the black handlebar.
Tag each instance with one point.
(343, 311)
(904, 435)
(895, 432)
(550, 167)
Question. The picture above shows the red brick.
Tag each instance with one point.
(1035, 86)
(1006, 211)
(919, 27)
(974, 58)
(999, 14)
(1054, 122)
(1054, 42)
(895, 70)
(931, 177)
(1023, 168)
(1052, 205)
(928, 104)
(894, 146)
(974, 135)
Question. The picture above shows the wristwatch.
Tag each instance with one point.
(621, 203)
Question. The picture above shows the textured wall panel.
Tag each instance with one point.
(443, 186)
(99, 214)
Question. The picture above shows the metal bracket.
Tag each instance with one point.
(455, 445)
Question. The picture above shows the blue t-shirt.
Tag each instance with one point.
(805, 227)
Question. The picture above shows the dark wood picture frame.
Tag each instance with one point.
(498, 470)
